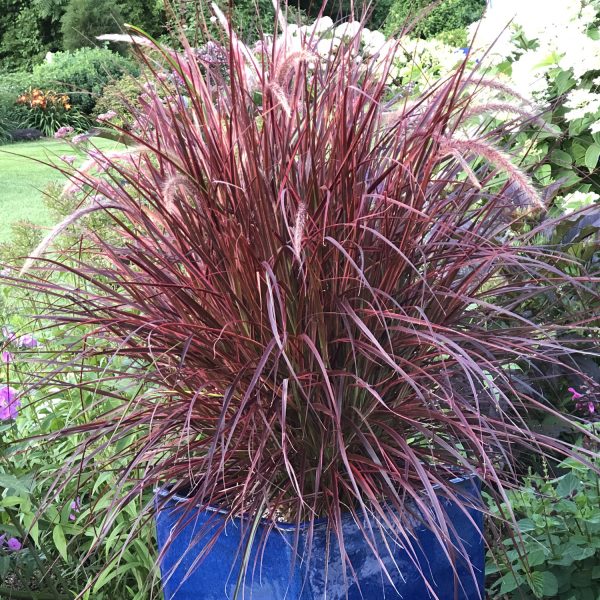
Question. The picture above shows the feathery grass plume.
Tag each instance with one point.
(360, 387)
(281, 98)
(96, 203)
(498, 86)
(489, 108)
(173, 188)
(446, 150)
(127, 38)
(288, 64)
(101, 161)
(299, 231)
(498, 159)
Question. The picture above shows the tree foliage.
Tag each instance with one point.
(448, 15)
(85, 19)
(31, 28)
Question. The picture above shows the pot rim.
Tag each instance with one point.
(281, 525)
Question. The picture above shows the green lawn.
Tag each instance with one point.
(23, 180)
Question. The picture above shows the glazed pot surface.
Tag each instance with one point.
(273, 574)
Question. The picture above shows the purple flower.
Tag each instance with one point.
(68, 158)
(6, 357)
(75, 507)
(8, 334)
(576, 394)
(2, 540)
(5, 272)
(591, 408)
(9, 403)
(27, 341)
(14, 544)
(81, 137)
(63, 132)
(107, 116)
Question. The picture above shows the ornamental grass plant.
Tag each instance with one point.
(316, 288)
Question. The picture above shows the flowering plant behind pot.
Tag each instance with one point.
(49, 111)
(314, 280)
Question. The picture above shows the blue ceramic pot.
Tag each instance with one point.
(269, 574)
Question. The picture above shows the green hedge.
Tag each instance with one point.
(448, 16)
(11, 115)
(82, 74)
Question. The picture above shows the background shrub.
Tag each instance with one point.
(5, 129)
(551, 60)
(449, 15)
(83, 74)
(122, 96)
(12, 115)
(559, 522)
(7, 122)
(54, 556)
(12, 84)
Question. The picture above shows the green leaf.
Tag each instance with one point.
(570, 554)
(11, 501)
(536, 583)
(586, 553)
(58, 536)
(491, 568)
(526, 525)
(563, 576)
(576, 127)
(550, 584)
(578, 151)
(32, 525)
(109, 574)
(563, 82)
(544, 174)
(595, 520)
(561, 158)
(536, 557)
(581, 579)
(510, 582)
(591, 156)
(10, 482)
(586, 594)
(596, 572)
(4, 566)
(568, 484)
(569, 177)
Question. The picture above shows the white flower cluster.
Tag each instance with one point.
(581, 102)
(414, 61)
(540, 38)
(577, 200)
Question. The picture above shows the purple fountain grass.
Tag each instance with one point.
(501, 87)
(493, 108)
(324, 312)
